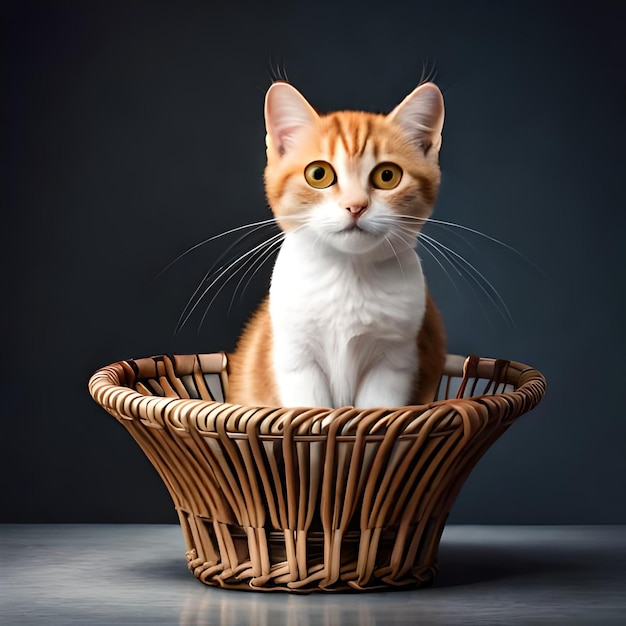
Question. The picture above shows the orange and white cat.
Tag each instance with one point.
(348, 320)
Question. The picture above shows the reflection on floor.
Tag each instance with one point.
(136, 574)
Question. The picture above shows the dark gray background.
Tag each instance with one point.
(134, 130)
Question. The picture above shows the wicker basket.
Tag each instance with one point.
(311, 499)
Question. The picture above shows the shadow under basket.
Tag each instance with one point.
(302, 500)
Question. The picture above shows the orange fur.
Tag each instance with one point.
(250, 371)
(431, 347)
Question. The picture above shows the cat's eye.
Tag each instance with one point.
(386, 176)
(320, 174)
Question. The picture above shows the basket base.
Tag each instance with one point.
(300, 562)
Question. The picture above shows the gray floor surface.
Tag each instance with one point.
(136, 574)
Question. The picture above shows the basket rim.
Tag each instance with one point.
(109, 387)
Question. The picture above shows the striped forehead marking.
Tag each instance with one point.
(353, 135)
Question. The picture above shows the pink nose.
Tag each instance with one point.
(356, 210)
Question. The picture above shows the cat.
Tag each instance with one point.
(348, 320)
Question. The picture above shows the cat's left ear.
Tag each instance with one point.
(421, 114)
(287, 113)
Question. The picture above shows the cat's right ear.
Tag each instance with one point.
(287, 113)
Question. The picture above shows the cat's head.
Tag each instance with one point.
(355, 180)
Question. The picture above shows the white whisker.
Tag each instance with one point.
(474, 273)
(254, 226)
(188, 310)
(258, 251)
(254, 268)
(432, 254)
(211, 269)
(426, 248)
(396, 255)
(436, 222)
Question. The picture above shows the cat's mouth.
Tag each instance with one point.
(354, 227)
(353, 238)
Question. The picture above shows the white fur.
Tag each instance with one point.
(345, 325)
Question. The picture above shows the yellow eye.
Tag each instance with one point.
(386, 176)
(320, 174)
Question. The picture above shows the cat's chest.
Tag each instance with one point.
(333, 299)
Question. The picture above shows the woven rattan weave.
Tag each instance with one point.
(311, 499)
